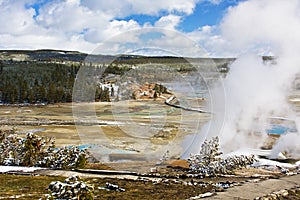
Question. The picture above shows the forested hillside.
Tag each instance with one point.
(36, 82)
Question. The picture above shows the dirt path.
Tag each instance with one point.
(172, 98)
(67, 173)
(259, 189)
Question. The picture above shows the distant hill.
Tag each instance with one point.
(41, 55)
(49, 54)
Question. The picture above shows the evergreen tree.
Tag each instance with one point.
(14, 94)
(30, 96)
(51, 93)
(155, 96)
(104, 96)
(1, 67)
(112, 92)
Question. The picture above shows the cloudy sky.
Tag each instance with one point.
(83, 25)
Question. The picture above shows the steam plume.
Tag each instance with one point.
(256, 90)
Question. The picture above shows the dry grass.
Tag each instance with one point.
(24, 187)
(98, 166)
(35, 187)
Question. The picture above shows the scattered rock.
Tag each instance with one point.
(112, 187)
(207, 194)
(293, 193)
(72, 188)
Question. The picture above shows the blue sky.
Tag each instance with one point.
(205, 13)
(82, 25)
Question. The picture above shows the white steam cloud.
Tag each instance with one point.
(256, 90)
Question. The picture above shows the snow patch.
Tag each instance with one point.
(4, 169)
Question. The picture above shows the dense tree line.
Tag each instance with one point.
(45, 82)
(34, 82)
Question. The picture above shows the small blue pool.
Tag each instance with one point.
(87, 146)
(280, 129)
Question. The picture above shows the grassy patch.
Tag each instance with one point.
(98, 166)
(35, 187)
(24, 187)
(147, 190)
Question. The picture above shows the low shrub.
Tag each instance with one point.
(34, 150)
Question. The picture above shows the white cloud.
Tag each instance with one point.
(210, 39)
(215, 1)
(15, 18)
(123, 8)
(152, 41)
(93, 21)
(60, 24)
(79, 24)
(70, 16)
(258, 22)
(31, 41)
(111, 29)
(256, 26)
(168, 22)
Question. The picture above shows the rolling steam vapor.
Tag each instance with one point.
(256, 90)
